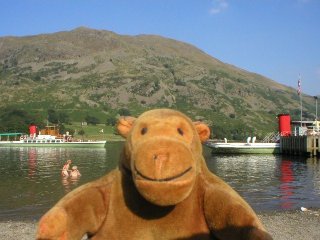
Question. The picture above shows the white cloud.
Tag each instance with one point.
(218, 6)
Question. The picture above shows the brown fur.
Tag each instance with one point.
(161, 190)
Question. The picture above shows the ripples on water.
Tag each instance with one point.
(30, 180)
(271, 182)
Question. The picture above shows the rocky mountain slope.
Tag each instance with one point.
(95, 72)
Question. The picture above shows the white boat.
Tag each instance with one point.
(51, 143)
(47, 140)
(243, 148)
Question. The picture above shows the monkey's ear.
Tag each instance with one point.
(124, 125)
(203, 131)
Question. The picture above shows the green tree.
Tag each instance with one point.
(64, 118)
(17, 120)
(124, 112)
(81, 133)
(58, 117)
(92, 120)
(111, 121)
(53, 116)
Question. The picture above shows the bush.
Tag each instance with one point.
(124, 112)
(111, 121)
(92, 120)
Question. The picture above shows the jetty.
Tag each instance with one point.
(292, 138)
(299, 137)
(300, 145)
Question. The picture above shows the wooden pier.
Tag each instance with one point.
(300, 145)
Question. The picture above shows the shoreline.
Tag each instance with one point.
(293, 224)
(282, 225)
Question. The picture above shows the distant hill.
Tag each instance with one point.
(91, 72)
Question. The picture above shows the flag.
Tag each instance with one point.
(299, 87)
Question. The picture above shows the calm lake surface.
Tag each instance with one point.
(30, 181)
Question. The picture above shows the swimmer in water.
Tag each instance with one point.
(75, 172)
(65, 170)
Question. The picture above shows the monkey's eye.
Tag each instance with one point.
(180, 131)
(144, 131)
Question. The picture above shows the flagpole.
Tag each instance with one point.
(300, 94)
(300, 110)
(316, 98)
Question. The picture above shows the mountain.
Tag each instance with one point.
(96, 72)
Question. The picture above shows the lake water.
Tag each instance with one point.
(30, 181)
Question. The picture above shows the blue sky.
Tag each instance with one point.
(279, 39)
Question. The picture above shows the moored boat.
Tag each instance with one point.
(244, 148)
(48, 137)
(51, 143)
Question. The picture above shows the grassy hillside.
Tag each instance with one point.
(87, 72)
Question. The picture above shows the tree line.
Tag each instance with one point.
(14, 120)
(17, 121)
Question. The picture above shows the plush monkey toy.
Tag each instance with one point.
(162, 189)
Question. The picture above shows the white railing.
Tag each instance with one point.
(271, 137)
(305, 131)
